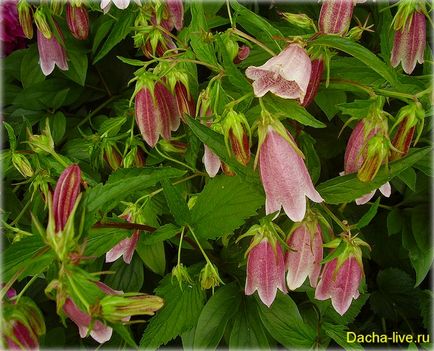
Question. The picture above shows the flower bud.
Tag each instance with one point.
(56, 7)
(335, 16)
(42, 143)
(112, 157)
(243, 53)
(25, 18)
(231, 45)
(209, 277)
(181, 274)
(40, 18)
(116, 308)
(237, 136)
(22, 164)
(376, 155)
(314, 81)
(78, 21)
(299, 19)
(184, 101)
(65, 195)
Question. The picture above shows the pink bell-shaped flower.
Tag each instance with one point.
(335, 16)
(286, 75)
(265, 271)
(303, 260)
(340, 283)
(314, 82)
(124, 248)
(356, 153)
(285, 177)
(77, 19)
(409, 43)
(51, 53)
(176, 13)
(100, 332)
(65, 195)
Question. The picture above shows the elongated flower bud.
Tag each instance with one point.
(243, 53)
(376, 154)
(78, 21)
(147, 116)
(42, 23)
(184, 101)
(22, 164)
(65, 195)
(314, 81)
(25, 18)
(335, 16)
(237, 136)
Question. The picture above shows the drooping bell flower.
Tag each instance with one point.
(156, 111)
(11, 36)
(284, 175)
(409, 118)
(265, 271)
(314, 81)
(335, 16)
(409, 42)
(286, 75)
(78, 21)
(99, 332)
(305, 254)
(51, 53)
(176, 13)
(236, 130)
(356, 154)
(65, 195)
(22, 324)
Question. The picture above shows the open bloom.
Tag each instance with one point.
(409, 43)
(286, 75)
(285, 177)
(341, 284)
(265, 271)
(65, 195)
(100, 332)
(51, 53)
(355, 155)
(304, 260)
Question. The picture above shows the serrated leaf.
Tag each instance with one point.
(124, 183)
(214, 317)
(126, 277)
(101, 240)
(177, 205)
(120, 30)
(339, 334)
(179, 314)
(284, 323)
(368, 216)
(357, 108)
(223, 206)
(165, 232)
(347, 188)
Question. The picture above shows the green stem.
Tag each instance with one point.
(174, 160)
(253, 40)
(401, 96)
(180, 245)
(209, 65)
(30, 282)
(200, 246)
(99, 108)
(336, 219)
(229, 14)
(26, 206)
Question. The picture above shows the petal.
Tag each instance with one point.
(45, 47)
(176, 10)
(117, 251)
(131, 247)
(211, 161)
(353, 158)
(335, 16)
(365, 198)
(121, 4)
(80, 318)
(101, 332)
(326, 283)
(317, 250)
(146, 117)
(385, 189)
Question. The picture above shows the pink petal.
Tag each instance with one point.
(118, 250)
(385, 189)
(324, 288)
(176, 10)
(265, 272)
(100, 332)
(121, 4)
(211, 161)
(335, 16)
(146, 117)
(165, 107)
(346, 285)
(365, 198)
(132, 243)
(50, 54)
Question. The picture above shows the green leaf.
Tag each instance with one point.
(102, 31)
(335, 253)
(153, 256)
(201, 46)
(124, 183)
(11, 136)
(216, 142)
(247, 332)
(125, 334)
(223, 206)
(31, 72)
(408, 176)
(132, 62)
(357, 108)
(219, 309)
(29, 256)
(101, 240)
(394, 221)
(359, 52)
(57, 126)
(347, 188)
(383, 27)
(126, 277)
(426, 303)
(77, 64)
(257, 26)
(181, 310)
(313, 162)
(369, 216)
(339, 333)
(284, 323)
(120, 30)
(177, 205)
(290, 109)
(165, 232)
(328, 99)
